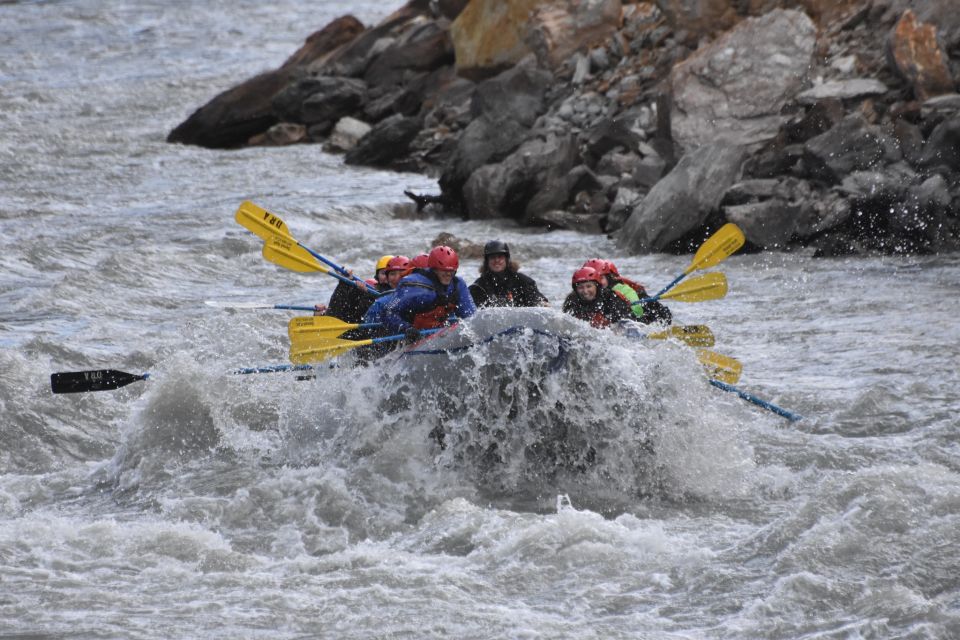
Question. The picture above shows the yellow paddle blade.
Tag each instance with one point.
(718, 247)
(720, 367)
(321, 349)
(289, 255)
(260, 221)
(312, 326)
(709, 286)
(694, 335)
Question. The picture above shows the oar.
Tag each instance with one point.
(97, 380)
(269, 226)
(290, 255)
(694, 335)
(305, 327)
(109, 379)
(321, 349)
(257, 305)
(709, 286)
(749, 397)
(719, 366)
(717, 248)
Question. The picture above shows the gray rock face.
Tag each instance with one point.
(683, 199)
(389, 140)
(517, 93)
(538, 168)
(843, 90)
(768, 224)
(734, 89)
(321, 99)
(852, 145)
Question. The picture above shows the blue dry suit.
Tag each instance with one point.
(420, 301)
(376, 311)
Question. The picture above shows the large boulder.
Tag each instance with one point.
(231, 118)
(535, 173)
(485, 140)
(767, 224)
(323, 99)
(488, 36)
(423, 48)
(734, 89)
(387, 142)
(503, 110)
(682, 200)
(518, 93)
(852, 145)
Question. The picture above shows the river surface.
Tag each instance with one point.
(200, 504)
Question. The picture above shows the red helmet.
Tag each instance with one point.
(443, 258)
(601, 266)
(585, 274)
(398, 263)
(612, 268)
(420, 262)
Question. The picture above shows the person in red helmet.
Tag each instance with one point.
(421, 261)
(501, 284)
(426, 298)
(591, 302)
(631, 292)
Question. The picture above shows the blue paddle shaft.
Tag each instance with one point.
(749, 397)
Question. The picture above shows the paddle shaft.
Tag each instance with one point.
(749, 397)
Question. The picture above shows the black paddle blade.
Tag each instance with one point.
(99, 380)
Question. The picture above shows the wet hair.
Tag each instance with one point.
(512, 265)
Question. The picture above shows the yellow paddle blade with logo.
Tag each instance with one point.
(317, 326)
(320, 349)
(720, 367)
(709, 286)
(260, 221)
(721, 245)
(285, 252)
(694, 335)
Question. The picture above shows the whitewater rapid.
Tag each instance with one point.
(202, 504)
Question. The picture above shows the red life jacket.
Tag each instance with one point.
(434, 318)
(437, 315)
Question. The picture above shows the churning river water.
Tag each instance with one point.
(199, 504)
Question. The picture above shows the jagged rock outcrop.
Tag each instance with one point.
(827, 124)
(234, 116)
(735, 89)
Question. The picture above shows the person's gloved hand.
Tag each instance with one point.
(411, 335)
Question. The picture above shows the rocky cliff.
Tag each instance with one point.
(833, 125)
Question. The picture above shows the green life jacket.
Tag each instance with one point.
(628, 293)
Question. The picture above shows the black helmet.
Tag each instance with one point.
(494, 247)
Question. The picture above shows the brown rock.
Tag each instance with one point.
(559, 29)
(915, 53)
(488, 36)
(280, 135)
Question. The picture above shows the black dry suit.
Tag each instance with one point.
(506, 289)
(350, 302)
(606, 309)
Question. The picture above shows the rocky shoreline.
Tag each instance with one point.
(833, 125)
